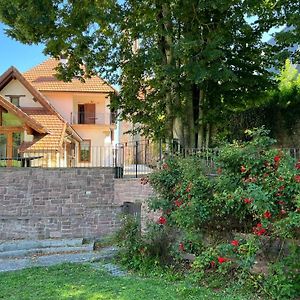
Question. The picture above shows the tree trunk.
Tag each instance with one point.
(201, 138)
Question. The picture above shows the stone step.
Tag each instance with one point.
(35, 244)
(44, 251)
(53, 259)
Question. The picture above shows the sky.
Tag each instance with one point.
(13, 53)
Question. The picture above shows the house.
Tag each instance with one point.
(51, 123)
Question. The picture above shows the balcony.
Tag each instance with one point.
(92, 118)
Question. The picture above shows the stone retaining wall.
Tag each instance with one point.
(131, 190)
(57, 203)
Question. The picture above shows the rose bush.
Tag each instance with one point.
(226, 220)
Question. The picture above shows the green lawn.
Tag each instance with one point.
(70, 281)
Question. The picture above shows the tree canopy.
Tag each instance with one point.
(197, 60)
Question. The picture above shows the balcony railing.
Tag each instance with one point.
(91, 118)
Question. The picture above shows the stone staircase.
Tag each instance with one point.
(16, 255)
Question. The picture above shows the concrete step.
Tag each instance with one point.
(36, 244)
(53, 259)
(44, 251)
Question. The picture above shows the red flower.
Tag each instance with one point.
(267, 214)
(277, 159)
(259, 230)
(188, 189)
(212, 264)
(279, 194)
(219, 171)
(234, 243)
(178, 203)
(297, 178)
(281, 188)
(162, 220)
(281, 202)
(222, 259)
(297, 166)
(181, 247)
(247, 200)
(243, 169)
(283, 212)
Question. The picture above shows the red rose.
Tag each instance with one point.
(283, 212)
(267, 214)
(234, 243)
(162, 220)
(247, 200)
(212, 264)
(219, 171)
(297, 178)
(259, 230)
(281, 202)
(281, 188)
(178, 203)
(298, 165)
(181, 247)
(243, 169)
(222, 259)
(277, 159)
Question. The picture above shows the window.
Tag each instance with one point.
(85, 151)
(86, 113)
(15, 101)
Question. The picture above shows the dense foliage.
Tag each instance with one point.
(196, 60)
(242, 224)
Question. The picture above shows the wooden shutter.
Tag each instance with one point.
(89, 113)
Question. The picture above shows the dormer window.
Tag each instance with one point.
(15, 99)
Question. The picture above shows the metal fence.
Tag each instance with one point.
(133, 159)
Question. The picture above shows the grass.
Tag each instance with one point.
(75, 281)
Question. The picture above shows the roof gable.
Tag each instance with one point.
(22, 115)
(11, 74)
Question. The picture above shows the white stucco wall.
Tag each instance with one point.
(14, 87)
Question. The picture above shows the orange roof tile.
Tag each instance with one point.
(56, 127)
(42, 77)
(34, 124)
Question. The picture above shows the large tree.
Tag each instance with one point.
(197, 60)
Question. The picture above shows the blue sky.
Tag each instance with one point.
(13, 53)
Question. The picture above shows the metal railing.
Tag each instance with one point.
(92, 118)
(132, 159)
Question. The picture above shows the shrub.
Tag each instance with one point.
(231, 221)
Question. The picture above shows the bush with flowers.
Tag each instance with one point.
(231, 221)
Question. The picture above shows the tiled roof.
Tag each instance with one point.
(55, 126)
(42, 77)
(33, 123)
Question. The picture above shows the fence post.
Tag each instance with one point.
(136, 158)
